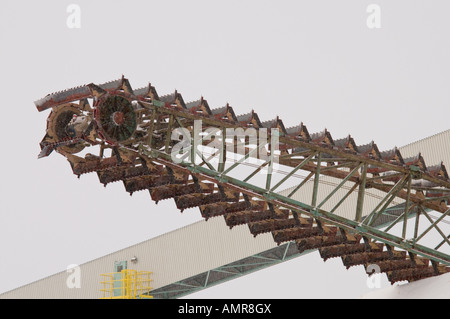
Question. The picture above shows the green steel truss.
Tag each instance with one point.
(190, 144)
(324, 160)
(271, 257)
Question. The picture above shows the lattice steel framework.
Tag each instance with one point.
(200, 157)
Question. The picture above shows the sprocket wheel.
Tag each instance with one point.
(117, 118)
(57, 127)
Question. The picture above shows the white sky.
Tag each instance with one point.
(314, 62)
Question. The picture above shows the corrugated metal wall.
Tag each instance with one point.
(170, 257)
(434, 149)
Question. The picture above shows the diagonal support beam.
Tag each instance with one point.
(403, 216)
(351, 190)
(256, 171)
(299, 166)
(435, 225)
(243, 159)
(369, 219)
(385, 206)
(307, 178)
(340, 185)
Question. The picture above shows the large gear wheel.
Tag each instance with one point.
(57, 127)
(116, 118)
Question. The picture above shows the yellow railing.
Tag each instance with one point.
(127, 284)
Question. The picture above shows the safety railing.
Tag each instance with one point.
(127, 284)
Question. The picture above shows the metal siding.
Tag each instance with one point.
(434, 149)
(171, 257)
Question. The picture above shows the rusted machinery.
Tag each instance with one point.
(137, 133)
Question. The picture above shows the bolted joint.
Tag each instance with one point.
(415, 172)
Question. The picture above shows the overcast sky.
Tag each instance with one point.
(316, 62)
